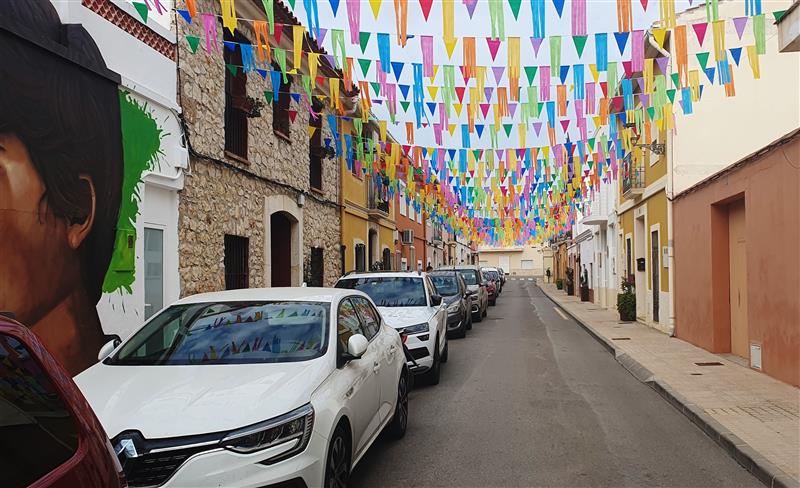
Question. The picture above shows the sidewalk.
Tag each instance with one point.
(754, 417)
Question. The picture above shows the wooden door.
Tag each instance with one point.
(738, 279)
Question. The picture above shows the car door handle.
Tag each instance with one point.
(376, 366)
(349, 392)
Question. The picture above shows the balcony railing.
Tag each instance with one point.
(632, 177)
(377, 199)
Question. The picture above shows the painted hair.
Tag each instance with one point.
(60, 100)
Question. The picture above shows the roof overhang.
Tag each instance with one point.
(789, 30)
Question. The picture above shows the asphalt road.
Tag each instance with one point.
(530, 399)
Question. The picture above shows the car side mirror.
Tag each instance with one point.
(356, 346)
(436, 300)
(108, 348)
(469, 293)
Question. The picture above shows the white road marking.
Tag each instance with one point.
(530, 279)
(559, 312)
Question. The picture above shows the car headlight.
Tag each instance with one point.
(414, 329)
(453, 307)
(295, 425)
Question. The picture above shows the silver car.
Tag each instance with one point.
(475, 284)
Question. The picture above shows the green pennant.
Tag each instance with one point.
(291, 3)
(778, 14)
(268, 97)
(232, 68)
(142, 9)
(507, 128)
(671, 95)
(376, 87)
(405, 106)
(676, 81)
(580, 43)
(702, 58)
(530, 72)
(591, 143)
(515, 4)
(365, 64)
(651, 112)
(193, 41)
(477, 154)
(363, 40)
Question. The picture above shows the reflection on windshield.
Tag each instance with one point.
(389, 291)
(470, 276)
(446, 286)
(230, 333)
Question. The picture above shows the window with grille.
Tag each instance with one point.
(237, 268)
(235, 99)
(317, 267)
(387, 259)
(361, 257)
(315, 147)
(281, 124)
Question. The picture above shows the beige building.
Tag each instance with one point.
(516, 260)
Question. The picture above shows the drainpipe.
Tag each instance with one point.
(669, 190)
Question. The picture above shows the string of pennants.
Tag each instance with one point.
(496, 193)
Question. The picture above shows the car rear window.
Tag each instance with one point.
(389, 291)
(470, 276)
(37, 430)
(446, 285)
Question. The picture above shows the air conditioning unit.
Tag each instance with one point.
(408, 237)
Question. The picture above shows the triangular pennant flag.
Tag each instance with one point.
(433, 90)
(292, 115)
(450, 46)
(580, 43)
(479, 129)
(778, 14)
(229, 45)
(232, 68)
(651, 112)
(627, 66)
(426, 8)
(702, 58)
(671, 95)
(365, 64)
(622, 40)
(710, 73)
(559, 5)
(515, 4)
(322, 33)
(268, 97)
(498, 73)
(658, 35)
(405, 106)
(460, 93)
(404, 90)
(295, 97)
(530, 72)
(644, 5)
(487, 93)
(736, 54)
(740, 23)
(676, 79)
(186, 15)
(564, 73)
(470, 4)
(700, 31)
(493, 44)
(564, 124)
(376, 7)
(507, 128)
(485, 109)
(376, 87)
(537, 127)
(662, 64)
(363, 40)
(536, 42)
(397, 68)
(194, 41)
(142, 9)
(431, 107)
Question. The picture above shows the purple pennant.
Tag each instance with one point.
(470, 4)
(537, 127)
(498, 73)
(662, 64)
(329, 58)
(740, 23)
(322, 33)
(536, 42)
(512, 108)
(487, 91)
(645, 99)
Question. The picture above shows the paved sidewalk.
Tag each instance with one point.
(754, 417)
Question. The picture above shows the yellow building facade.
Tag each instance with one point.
(368, 222)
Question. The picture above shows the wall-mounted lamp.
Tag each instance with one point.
(301, 199)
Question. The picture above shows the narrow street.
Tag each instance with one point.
(530, 399)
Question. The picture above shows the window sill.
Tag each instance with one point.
(237, 158)
(281, 135)
(318, 191)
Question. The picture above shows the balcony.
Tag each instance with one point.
(377, 199)
(632, 175)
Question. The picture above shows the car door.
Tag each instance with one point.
(362, 393)
(385, 345)
(440, 313)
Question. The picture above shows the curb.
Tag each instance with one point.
(760, 467)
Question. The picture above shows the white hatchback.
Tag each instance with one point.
(409, 303)
(250, 388)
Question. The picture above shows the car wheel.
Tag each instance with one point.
(446, 352)
(337, 469)
(469, 324)
(399, 423)
(493, 303)
(486, 310)
(433, 375)
(462, 332)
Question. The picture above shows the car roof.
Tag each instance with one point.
(289, 294)
(384, 274)
(489, 269)
(458, 267)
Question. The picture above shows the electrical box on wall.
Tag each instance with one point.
(665, 256)
(640, 264)
(755, 356)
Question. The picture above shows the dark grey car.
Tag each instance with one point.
(457, 298)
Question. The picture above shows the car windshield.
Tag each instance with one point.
(399, 291)
(230, 333)
(446, 285)
(470, 276)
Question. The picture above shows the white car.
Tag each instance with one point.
(254, 387)
(409, 303)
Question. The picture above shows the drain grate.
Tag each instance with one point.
(620, 338)
(711, 363)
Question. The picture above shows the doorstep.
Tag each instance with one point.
(754, 417)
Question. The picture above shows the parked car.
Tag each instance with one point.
(502, 275)
(475, 284)
(254, 387)
(450, 285)
(491, 286)
(409, 303)
(497, 277)
(51, 436)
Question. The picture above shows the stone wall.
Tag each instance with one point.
(226, 195)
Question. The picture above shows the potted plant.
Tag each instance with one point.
(570, 282)
(585, 286)
(626, 302)
(560, 284)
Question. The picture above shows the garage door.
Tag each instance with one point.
(505, 263)
(527, 264)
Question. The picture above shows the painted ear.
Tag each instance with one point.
(80, 226)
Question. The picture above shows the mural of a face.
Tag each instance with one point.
(61, 172)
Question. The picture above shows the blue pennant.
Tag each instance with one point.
(559, 5)
(185, 15)
(404, 90)
(479, 129)
(230, 45)
(622, 40)
(334, 6)
(564, 73)
(432, 108)
(296, 97)
(736, 53)
(397, 67)
(710, 74)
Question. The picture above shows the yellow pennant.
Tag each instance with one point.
(752, 56)
(458, 107)
(659, 34)
(593, 70)
(451, 128)
(298, 32)
(433, 90)
(376, 7)
(313, 62)
(334, 86)
(228, 15)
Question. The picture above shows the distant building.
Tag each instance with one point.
(515, 260)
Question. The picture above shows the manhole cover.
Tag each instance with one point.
(711, 363)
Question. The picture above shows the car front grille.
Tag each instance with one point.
(154, 469)
(419, 352)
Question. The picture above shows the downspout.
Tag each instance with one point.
(669, 190)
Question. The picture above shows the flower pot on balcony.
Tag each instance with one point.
(584, 293)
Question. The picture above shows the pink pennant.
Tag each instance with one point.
(627, 65)
(426, 43)
(740, 23)
(494, 45)
(644, 4)
(485, 109)
(544, 83)
(565, 124)
(464, 74)
(437, 133)
(210, 28)
(700, 31)
(536, 42)
(354, 18)
(426, 8)
(498, 73)
(470, 4)
(637, 51)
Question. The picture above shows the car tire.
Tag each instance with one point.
(397, 427)
(337, 465)
(462, 332)
(434, 374)
(479, 318)
(486, 310)
(493, 303)
(446, 353)
(469, 324)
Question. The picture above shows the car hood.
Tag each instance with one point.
(474, 288)
(171, 401)
(399, 317)
(449, 300)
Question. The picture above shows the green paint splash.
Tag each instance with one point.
(141, 149)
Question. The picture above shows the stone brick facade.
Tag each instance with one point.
(229, 195)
